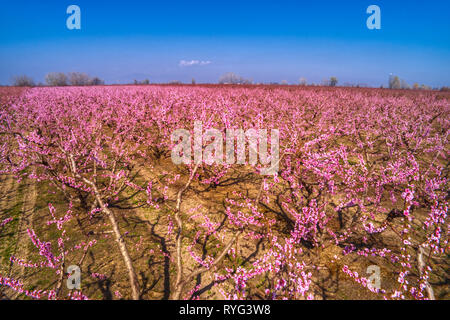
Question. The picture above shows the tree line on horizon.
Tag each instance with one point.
(60, 79)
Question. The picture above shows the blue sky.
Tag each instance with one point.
(267, 41)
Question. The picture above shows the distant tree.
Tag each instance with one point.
(394, 82)
(302, 81)
(416, 86)
(56, 79)
(96, 82)
(23, 81)
(193, 81)
(78, 79)
(146, 81)
(445, 89)
(175, 82)
(231, 78)
(333, 81)
(404, 85)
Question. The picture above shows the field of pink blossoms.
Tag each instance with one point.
(358, 209)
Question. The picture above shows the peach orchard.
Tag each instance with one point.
(362, 180)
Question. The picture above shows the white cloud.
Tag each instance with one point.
(185, 63)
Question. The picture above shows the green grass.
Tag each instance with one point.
(9, 232)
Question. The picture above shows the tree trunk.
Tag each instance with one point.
(122, 245)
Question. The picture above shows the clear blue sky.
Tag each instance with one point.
(262, 40)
